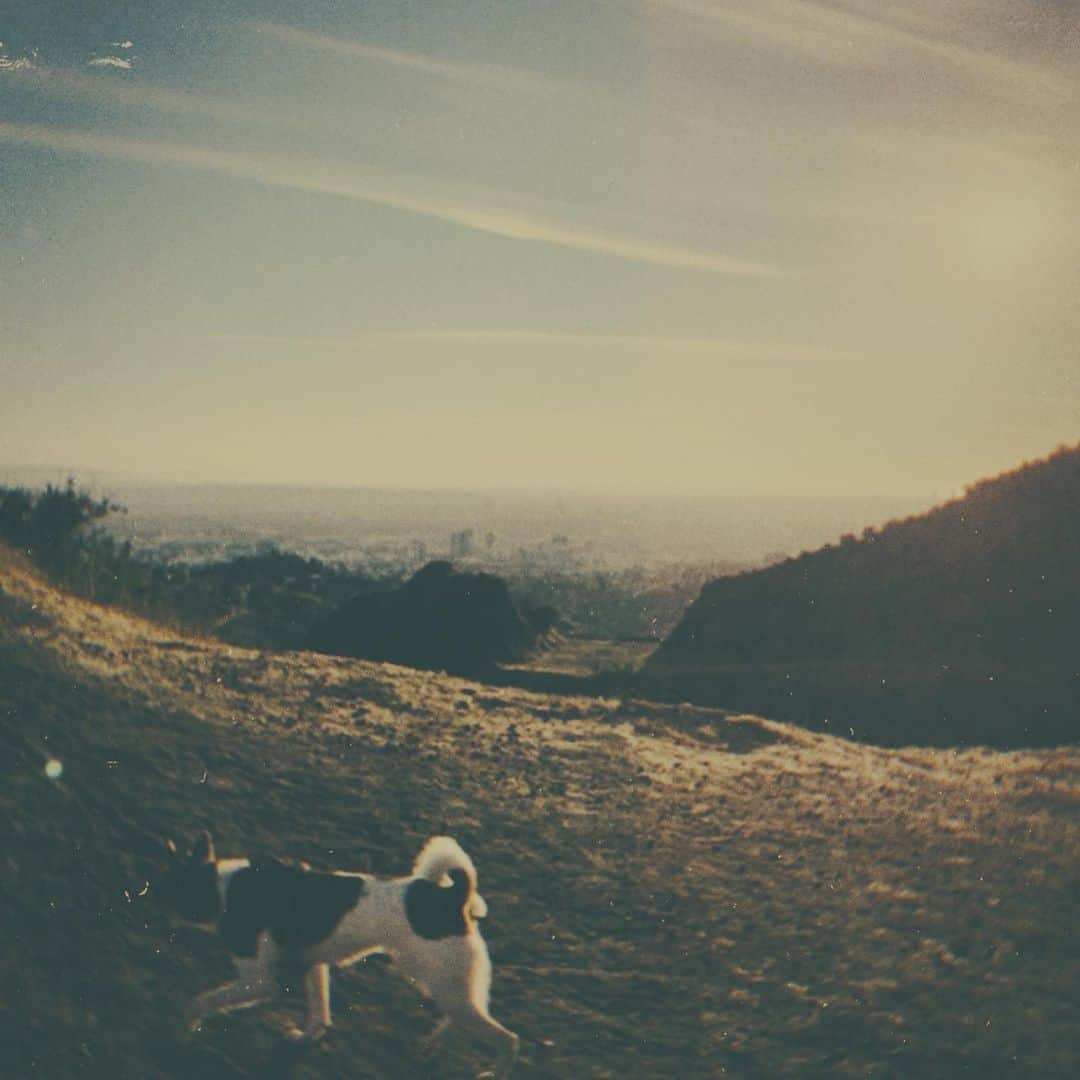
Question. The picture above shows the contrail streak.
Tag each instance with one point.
(390, 191)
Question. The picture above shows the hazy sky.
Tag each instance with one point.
(744, 246)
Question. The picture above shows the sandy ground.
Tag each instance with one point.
(674, 891)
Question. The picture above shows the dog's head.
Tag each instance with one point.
(189, 886)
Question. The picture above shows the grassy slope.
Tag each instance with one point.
(674, 892)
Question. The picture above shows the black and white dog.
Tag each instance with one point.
(278, 919)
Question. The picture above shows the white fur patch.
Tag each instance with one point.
(440, 855)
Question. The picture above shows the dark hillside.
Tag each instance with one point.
(962, 624)
(674, 892)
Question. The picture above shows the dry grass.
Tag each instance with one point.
(675, 892)
(587, 657)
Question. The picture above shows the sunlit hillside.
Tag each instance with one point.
(674, 892)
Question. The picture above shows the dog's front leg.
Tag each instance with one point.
(430, 1043)
(238, 994)
(317, 992)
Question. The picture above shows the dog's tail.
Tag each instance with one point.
(442, 861)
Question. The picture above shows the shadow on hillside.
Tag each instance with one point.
(578, 667)
(20, 615)
(891, 704)
(550, 682)
(883, 704)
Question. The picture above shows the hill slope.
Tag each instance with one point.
(959, 625)
(674, 892)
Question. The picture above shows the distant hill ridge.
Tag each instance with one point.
(963, 621)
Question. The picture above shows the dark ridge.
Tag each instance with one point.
(958, 625)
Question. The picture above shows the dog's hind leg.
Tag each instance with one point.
(256, 983)
(431, 1041)
(477, 1023)
(317, 991)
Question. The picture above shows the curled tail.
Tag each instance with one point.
(443, 862)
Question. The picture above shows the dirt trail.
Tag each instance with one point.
(674, 892)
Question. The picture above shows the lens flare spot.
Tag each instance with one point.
(54, 769)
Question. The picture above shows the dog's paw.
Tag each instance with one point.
(306, 1036)
(187, 1026)
(500, 1072)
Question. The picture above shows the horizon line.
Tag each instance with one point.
(659, 494)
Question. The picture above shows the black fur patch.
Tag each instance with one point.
(300, 907)
(435, 911)
(191, 890)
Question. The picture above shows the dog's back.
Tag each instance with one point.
(297, 906)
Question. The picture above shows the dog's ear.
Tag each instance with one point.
(203, 848)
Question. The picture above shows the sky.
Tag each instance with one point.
(716, 246)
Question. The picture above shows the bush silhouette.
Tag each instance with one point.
(440, 618)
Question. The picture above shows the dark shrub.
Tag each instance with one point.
(440, 618)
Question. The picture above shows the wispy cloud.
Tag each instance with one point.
(768, 21)
(395, 191)
(840, 36)
(72, 84)
(485, 76)
(110, 62)
(646, 342)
